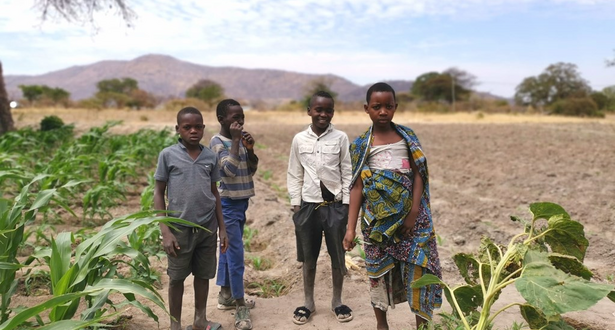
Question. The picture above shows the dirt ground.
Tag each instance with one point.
(483, 168)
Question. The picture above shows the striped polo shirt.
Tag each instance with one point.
(236, 172)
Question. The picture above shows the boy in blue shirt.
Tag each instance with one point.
(237, 164)
(188, 172)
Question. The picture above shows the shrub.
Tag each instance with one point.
(602, 101)
(178, 104)
(51, 122)
(581, 107)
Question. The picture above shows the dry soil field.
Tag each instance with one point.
(483, 168)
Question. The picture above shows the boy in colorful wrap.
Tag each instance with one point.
(390, 188)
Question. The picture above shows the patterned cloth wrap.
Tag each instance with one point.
(387, 201)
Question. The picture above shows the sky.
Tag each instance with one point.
(501, 42)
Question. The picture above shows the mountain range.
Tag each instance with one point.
(166, 76)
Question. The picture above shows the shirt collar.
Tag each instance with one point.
(327, 131)
(181, 145)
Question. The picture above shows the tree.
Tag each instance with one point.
(121, 93)
(557, 82)
(206, 90)
(34, 93)
(610, 62)
(6, 120)
(462, 78)
(82, 11)
(123, 86)
(70, 10)
(609, 92)
(452, 83)
(317, 85)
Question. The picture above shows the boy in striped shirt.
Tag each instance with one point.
(237, 163)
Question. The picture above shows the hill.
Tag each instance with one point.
(167, 76)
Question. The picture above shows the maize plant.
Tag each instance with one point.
(89, 273)
(13, 219)
(544, 262)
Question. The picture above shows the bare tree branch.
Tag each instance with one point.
(83, 10)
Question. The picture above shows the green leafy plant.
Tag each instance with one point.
(260, 263)
(248, 235)
(268, 288)
(88, 272)
(51, 122)
(545, 262)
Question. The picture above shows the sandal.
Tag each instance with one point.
(230, 303)
(242, 318)
(210, 326)
(302, 312)
(341, 311)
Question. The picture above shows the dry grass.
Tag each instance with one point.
(84, 118)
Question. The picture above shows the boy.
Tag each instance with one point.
(237, 164)
(188, 172)
(319, 173)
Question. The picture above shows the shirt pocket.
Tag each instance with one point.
(306, 154)
(331, 154)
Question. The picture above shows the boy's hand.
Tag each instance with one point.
(223, 241)
(348, 242)
(296, 208)
(170, 244)
(235, 130)
(248, 141)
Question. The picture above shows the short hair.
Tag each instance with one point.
(321, 94)
(223, 106)
(379, 87)
(187, 110)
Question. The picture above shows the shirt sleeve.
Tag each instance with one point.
(252, 164)
(215, 172)
(229, 164)
(162, 170)
(294, 179)
(345, 168)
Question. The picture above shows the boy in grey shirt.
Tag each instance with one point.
(188, 172)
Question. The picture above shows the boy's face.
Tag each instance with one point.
(381, 108)
(234, 113)
(321, 110)
(190, 129)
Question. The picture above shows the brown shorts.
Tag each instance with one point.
(197, 254)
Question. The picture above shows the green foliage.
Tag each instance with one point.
(13, 218)
(434, 86)
(34, 93)
(105, 165)
(248, 235)
(557, 82)
(119, 86)
(545, 262)
(260, 263)
(51, 122)
(600, 99)
(269, 288)
(609, 92)
(120, 93)
(581, 107)
(314, 86)
(207, 91)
